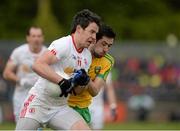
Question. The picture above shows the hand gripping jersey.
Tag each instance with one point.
(69, 59)
(100, 67)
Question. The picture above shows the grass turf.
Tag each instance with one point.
(121, 126)
(143, 126)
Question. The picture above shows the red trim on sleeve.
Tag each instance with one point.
(53, 51)
(78, 50)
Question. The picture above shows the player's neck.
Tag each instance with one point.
(76, 43)
(34, 50)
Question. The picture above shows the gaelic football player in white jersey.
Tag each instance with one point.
(60, 68)
(19, 66)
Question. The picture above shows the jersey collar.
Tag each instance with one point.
(78, 50)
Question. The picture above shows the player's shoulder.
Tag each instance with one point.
(62, 40)
(109, 58)
(87, 52)
(61, 46)
(21, 48)
(44, 48)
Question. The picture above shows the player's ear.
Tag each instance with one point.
(27, 38)
(78, 28)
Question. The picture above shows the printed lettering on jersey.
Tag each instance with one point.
(54, 51)
(97, 69)
(32, 110)
(73, 56)
(79, 61)
(26, 104)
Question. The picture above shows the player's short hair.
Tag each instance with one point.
(34, 26)
(84, 18)
(105, 30)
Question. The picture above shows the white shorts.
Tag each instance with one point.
(59, 117)
(18, 100)
(97, 116)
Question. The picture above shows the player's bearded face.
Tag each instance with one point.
(35, 39)
(97, 55)
(102, 46)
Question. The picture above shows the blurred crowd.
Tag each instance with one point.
(155, 76)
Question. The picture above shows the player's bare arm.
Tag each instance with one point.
(10, 72)
(42, 67)
(95, 86)
(111, 95)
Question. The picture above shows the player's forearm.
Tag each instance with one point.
(45, 71)
(11, 76)
(93, 88)
(111, 96)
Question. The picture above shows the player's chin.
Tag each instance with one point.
(101, 54)
(88, 43)
(79, 89)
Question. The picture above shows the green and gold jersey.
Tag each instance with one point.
(100, 67)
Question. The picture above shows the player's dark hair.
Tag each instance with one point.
(84, 18)
(36, 27)
(105, 30)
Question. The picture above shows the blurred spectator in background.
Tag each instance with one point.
(3, 93)
(18, 68)
(142, 104)
(3, 85)
(97, 106)
(1, 64)
(3, 89)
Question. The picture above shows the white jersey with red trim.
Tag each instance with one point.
(23, 58)
(69, 59)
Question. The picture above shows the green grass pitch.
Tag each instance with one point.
(122, 126)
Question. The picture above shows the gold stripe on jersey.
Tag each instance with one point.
(100, 67)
